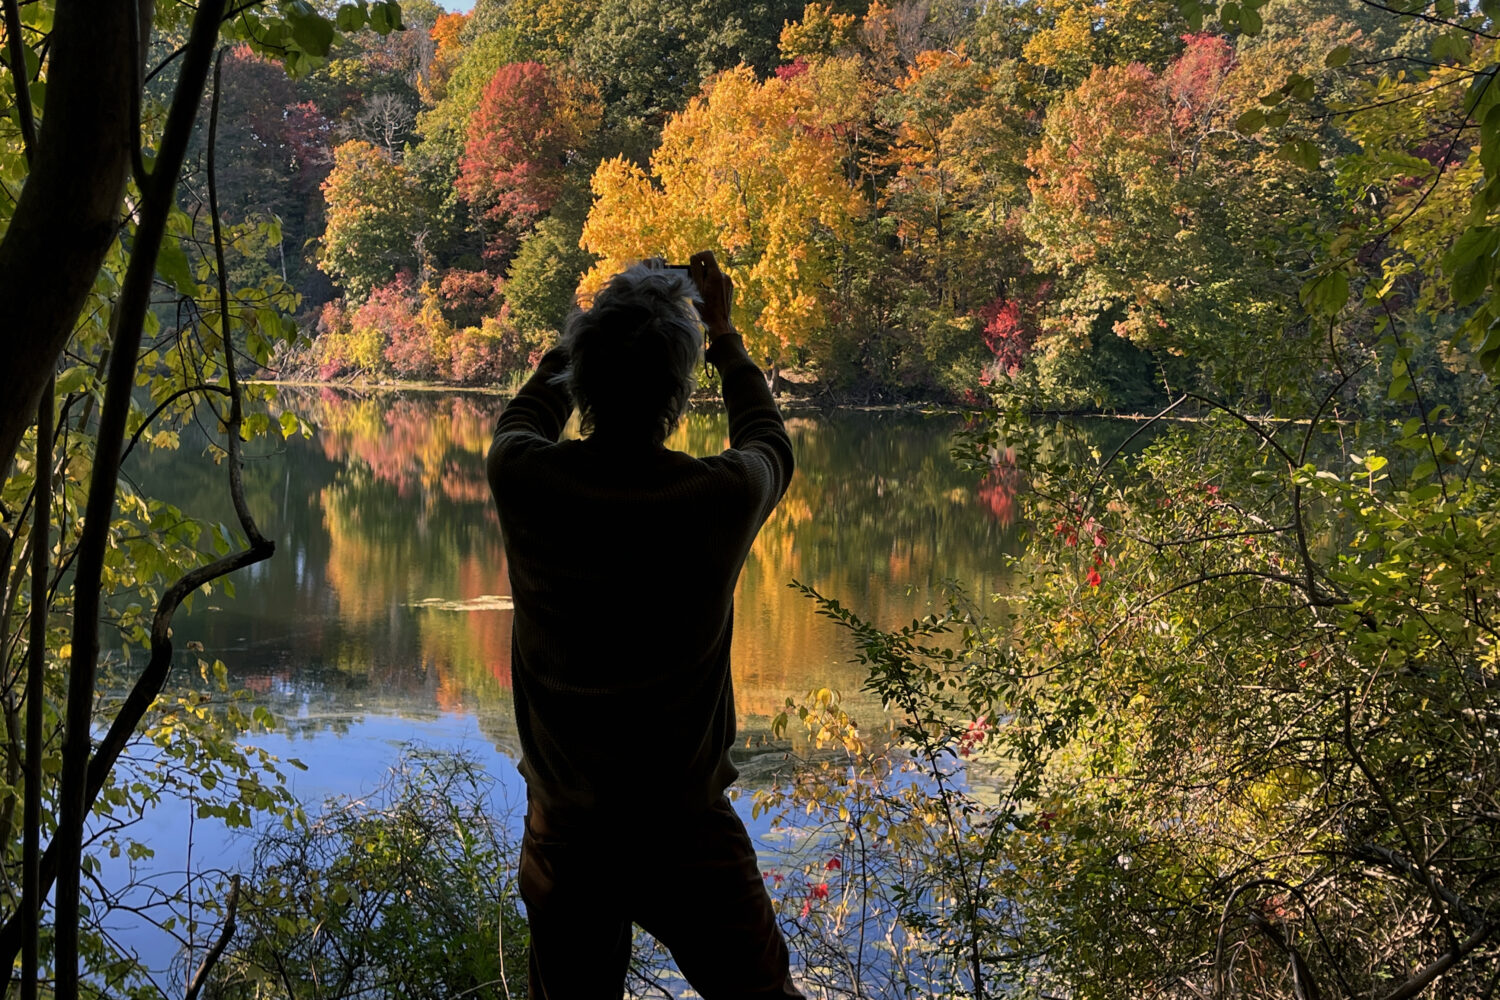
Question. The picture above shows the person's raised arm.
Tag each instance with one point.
(538, 412)
(755, 425)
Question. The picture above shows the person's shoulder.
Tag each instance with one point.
(516, 445)
(520, 461)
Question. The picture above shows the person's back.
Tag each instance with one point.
(623, 561)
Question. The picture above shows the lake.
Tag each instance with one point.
(388, 594)
(384, 616)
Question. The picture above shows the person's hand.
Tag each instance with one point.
(716, 290)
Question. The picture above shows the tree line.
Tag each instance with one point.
(1098, 202)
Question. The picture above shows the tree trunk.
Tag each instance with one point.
(69, 208)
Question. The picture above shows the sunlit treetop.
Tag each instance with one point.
(742, 172)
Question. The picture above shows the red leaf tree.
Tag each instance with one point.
(528, 123)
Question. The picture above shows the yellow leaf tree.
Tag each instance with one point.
(1083, 34)
(745, 171)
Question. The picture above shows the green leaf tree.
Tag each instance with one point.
(377, 219)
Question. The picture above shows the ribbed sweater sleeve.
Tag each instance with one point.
(756, 428)
(537, 414)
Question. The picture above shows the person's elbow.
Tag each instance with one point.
(498, 464)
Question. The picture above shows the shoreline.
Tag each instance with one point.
(787, 402)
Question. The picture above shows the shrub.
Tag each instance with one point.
(404, 893)
(466, 297)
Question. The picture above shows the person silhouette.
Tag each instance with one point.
(623, 558)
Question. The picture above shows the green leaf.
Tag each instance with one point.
(1489, 351)
(1325, 294)
(1229, 15)
(1470, 281)
(1452, 46)
(74, 379)
(172, 264)
(1250, 22)
(1489, 142)
(1481, 95)
(385, 16)
(1301, 152)
(1338, 56)
(351, 17)
(1251, 121)
(312, 32)
(1299, 87)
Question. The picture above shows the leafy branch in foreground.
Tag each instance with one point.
(97, 237)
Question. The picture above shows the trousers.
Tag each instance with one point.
(694, 884)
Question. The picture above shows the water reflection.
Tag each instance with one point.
(388, 591)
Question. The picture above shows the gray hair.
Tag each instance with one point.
(634, 353)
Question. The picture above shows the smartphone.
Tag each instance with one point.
(687, 273)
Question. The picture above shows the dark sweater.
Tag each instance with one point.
(623, 561)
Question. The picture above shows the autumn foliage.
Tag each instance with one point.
(745, 170)
(528, 123)
(399, 331)
(1052, 197)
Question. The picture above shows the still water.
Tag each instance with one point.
(384, 616)
(388, 594)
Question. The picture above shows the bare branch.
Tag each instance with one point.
(212, 958)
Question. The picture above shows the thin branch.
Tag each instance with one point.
(129, 321)
(1135, 434)
(164, 64)
(1267, 438)
(18, 73)
(1436, 179)
(1422, 15)
(212, 958)
(1376, 105)
(136, 437)
(1393, 816)
(138, 61)
(1389, 859)
(1424, 977)
(236, 416)
(41, 551)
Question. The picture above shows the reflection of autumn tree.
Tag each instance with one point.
(409, 520)
(875, 506)
(998, 489)
(416, 445)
